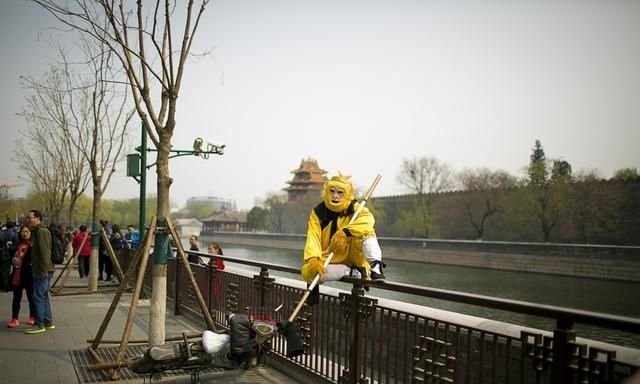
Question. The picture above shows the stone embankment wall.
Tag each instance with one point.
(592, 261)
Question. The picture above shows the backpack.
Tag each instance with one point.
(58, 245)
(116, 241)
(8, 242)
(5, 252)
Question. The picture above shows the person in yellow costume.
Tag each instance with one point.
(355, 247)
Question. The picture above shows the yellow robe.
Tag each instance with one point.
(318, 239)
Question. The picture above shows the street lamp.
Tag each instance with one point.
(137, 168)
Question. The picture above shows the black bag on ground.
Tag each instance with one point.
(240, 332)
(58, 245)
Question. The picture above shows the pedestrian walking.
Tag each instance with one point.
(85, 252)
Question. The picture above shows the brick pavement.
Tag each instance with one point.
(47, 358)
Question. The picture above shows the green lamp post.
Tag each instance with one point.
(137, 168)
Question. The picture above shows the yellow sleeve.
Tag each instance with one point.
(363, 225)
(313, 247)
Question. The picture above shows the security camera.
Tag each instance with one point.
(213, 146)
(214, 143)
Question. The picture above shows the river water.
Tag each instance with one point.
(604, 296)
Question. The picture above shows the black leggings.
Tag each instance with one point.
(83, 265)
(17, 298)
(105, 264)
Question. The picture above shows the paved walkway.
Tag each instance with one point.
(57, 356)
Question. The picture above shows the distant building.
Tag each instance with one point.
(188, 227)
(307, 179)
(218, 203)
(226, 222)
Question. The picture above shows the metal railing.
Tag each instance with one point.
(350, 338)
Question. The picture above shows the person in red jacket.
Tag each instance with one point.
(22, 278)
(85, 252)
(214, 249)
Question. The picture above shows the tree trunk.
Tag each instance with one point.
(159, 270)
(94, 259)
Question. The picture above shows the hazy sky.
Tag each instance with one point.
(360, 85)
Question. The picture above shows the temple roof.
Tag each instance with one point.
(308, 177)
(309, 165)
(227, 217)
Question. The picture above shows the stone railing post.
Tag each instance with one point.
(212, 275)
(358, 310)
(232, 293)
(177, 310)
(262, 284)
(563, 338)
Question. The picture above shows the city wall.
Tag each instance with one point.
(592, 261)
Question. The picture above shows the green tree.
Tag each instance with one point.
(626, 174)
(537, 170)
(258, 218)
(547, 194)
(409, 224)
(561, 171)
(276, 203)
(200, 211)
(376, 207)
(125, 212)
(83, 210)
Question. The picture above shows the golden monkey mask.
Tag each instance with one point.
(340, 182)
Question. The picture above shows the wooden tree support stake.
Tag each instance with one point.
(140, 260)
(112, 254)
(67, 269)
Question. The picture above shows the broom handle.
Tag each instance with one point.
(326, 263)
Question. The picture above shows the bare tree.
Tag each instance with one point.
(154, 60)
(485, 199)
(78, 122)
(46, 152)
(593, 204)
(425, 177)
(102, 117)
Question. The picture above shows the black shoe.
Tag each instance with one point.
(376, 271)
(100, 278)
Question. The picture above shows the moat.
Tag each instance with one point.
(596, 295)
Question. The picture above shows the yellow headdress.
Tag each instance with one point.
(340, 182)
